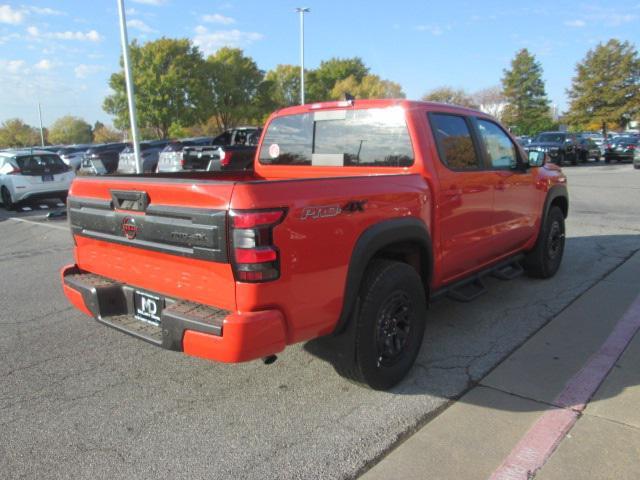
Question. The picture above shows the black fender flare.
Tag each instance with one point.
(559, 190)
(370, 242)
(556, 191)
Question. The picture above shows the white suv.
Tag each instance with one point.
(30, 174)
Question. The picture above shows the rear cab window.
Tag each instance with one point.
(374, 137)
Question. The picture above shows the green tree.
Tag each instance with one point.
(371, 86)
(170, 86)
(233, 81)
(68, 130)
(104, 134)
(527, 110)
(320, 82)
(451, 96)
(284, 85)
(15, 133)
(605, 91)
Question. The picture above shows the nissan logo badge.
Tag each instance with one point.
(129, 227)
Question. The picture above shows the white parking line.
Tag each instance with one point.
(24, 220)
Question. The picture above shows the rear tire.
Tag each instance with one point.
(389, 326)
(7, 201)
(545, 258)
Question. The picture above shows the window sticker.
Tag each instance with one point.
(274, 150)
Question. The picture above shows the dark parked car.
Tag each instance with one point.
(234, 150)
(561, 146)
(73, 155)
(103, 158)
(150, 151)
(587, 149)
(171, 160)
(622, 149)
(199, 156)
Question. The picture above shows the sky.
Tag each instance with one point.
(61, 53)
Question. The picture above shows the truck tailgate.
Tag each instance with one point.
(166, 236)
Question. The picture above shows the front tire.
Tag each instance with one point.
(389, 328)
(7, 201)
(545, 258)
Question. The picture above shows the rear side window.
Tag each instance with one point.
(454, 141)
(376, 137)
(499, 149)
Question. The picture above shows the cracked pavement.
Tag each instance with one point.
(80, 400)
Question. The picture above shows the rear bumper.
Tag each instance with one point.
(194, 329)
(26, 195)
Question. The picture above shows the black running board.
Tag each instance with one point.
(467, 291)
(472, 287)
(508, 272)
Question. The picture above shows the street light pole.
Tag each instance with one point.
(302, 11)
(41, 129)
(129, 83)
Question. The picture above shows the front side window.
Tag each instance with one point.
(454, 141)
(498, 147)
(376, 137)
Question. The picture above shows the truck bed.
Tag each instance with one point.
(182, 249)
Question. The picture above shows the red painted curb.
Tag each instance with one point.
(537, 445)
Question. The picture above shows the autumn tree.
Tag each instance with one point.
(451, 96)
(68, 130)
(168, 81)
(233, 81)
(605, 92)
(320, 82)
(15, 133)
(370, 86)
(105, 134)
(527, 110)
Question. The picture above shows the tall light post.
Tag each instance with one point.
(41, 128)
(129, 83)
(302, 11)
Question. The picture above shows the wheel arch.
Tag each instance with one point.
(557, 196)
(401, 239)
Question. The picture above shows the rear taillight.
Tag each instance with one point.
(181, 154)
(255, 257)
(225, 158)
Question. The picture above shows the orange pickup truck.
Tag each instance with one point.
(356, 216)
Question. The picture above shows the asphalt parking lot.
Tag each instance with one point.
(79, 400)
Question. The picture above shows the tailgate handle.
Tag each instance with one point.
(134, 200)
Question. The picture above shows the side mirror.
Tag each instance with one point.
(536, 158)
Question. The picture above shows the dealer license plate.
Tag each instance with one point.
(148, 307)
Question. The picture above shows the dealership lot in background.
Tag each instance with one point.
(82, 400)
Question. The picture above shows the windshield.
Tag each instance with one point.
(550, 138)
(370, 137)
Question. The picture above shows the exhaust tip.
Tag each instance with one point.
(270, 359)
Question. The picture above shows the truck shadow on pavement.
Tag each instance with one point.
(465, 341)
